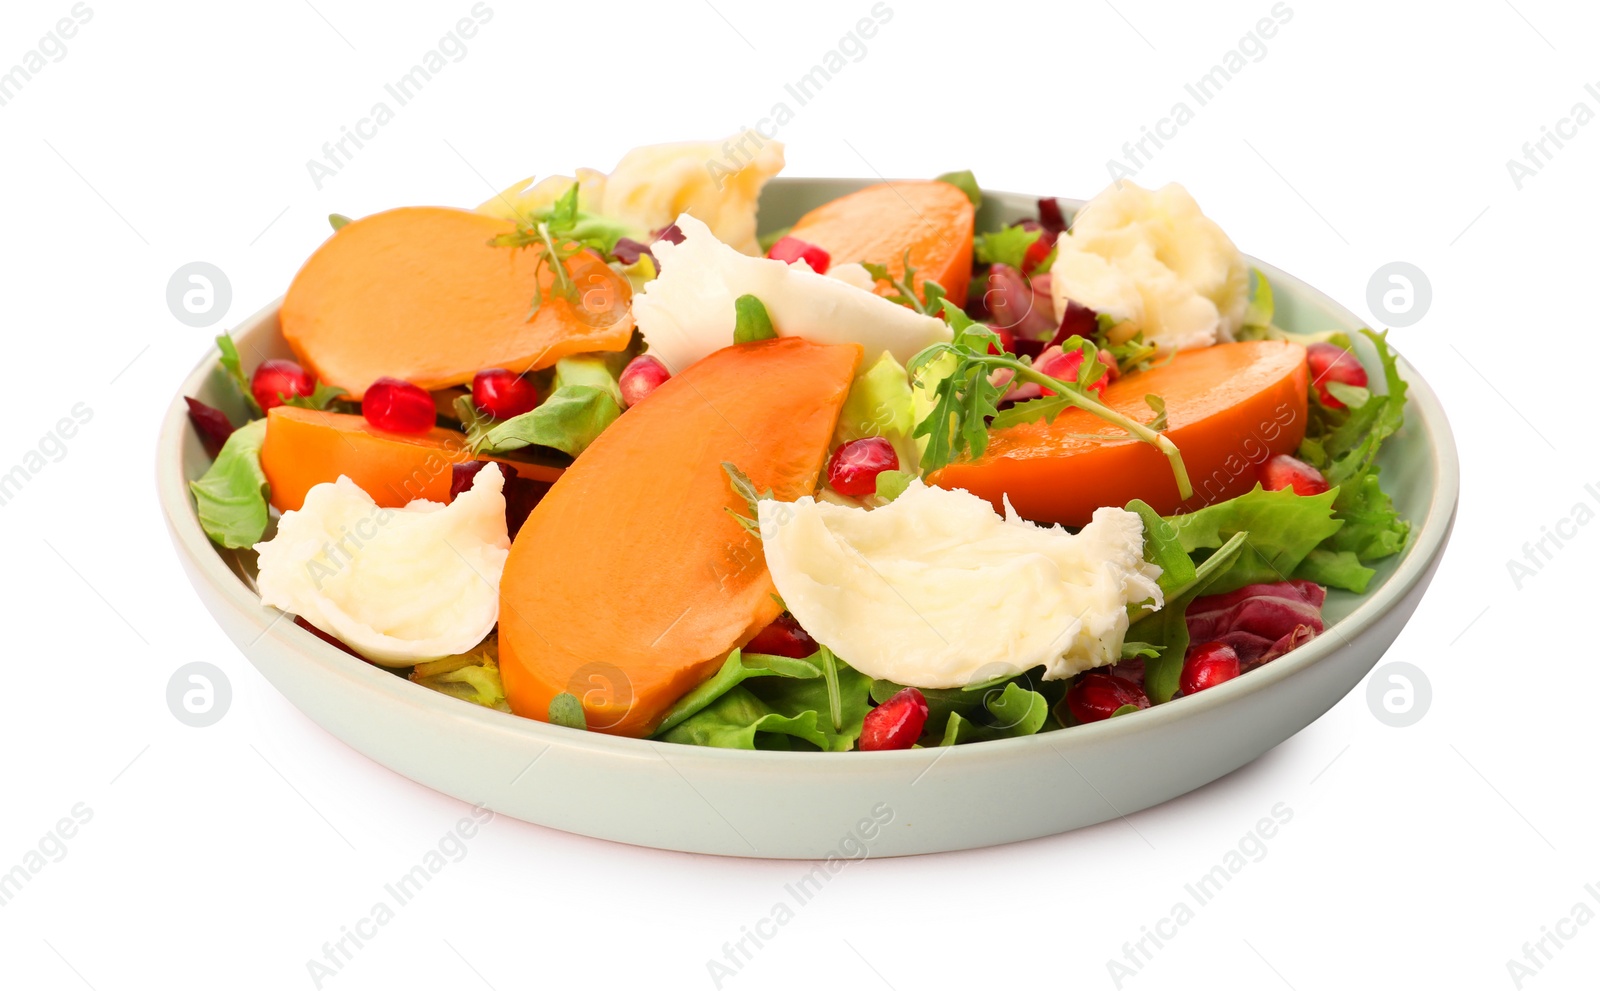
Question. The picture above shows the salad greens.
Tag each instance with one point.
(1006, 246)
(767, 702)
(584, 401)
(751, 322)
(557, 233)
(967, 396)
(231, 497)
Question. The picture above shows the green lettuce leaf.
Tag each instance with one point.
(1007, 246)
(321, 398)
(584, 401)
(231, 497)
(566, 710)
(881, 404)
(1282, 529)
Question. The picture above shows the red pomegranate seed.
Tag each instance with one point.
(792, 249)
(1207, 664)
(854, 468)
(277, 378)
(643, 376)
(1282, 471)
(398, 406)
(1038, 251)
(1064, 365)
(897, 723)
(1332, 363)
(502, 394)
(1095, 695)
(783, 637)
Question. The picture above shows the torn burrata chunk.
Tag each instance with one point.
(687, 312)
(397, 585)
(1154, 263)
(937, 590)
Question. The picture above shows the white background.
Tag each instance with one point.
(226, 857)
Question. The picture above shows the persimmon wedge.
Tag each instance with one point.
(418, 293)
(879, 224)
(1229, 408)
(304, 447)
(630, 582)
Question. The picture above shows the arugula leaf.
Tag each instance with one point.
(765, 702)
(1170, 629)
(557, 233)
(1352, 445)
(965, 400)
(736, 669)
(321, 397)
(1012, 711)
(566, 710)
(1163, 549)
(966, 182)
(928, 303)
(231, 497)
(1283, 528)
(1007, 246)
(739, 720)
(235, 371)
(751, 322)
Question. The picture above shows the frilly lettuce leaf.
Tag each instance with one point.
(881, 404)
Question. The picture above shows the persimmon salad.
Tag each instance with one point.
(597, 453)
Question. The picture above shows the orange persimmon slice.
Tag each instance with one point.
(630, 582)
(418, 293)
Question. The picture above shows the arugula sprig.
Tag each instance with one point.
(967, 398)
(905, 292)
(557, 234)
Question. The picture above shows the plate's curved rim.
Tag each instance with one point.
(1426, 543)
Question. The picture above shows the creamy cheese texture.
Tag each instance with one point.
(1154, 262)
(398, 585)
(718, 182)
(937, 590)
(687, 312)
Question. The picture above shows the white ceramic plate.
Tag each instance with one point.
(800, 805)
